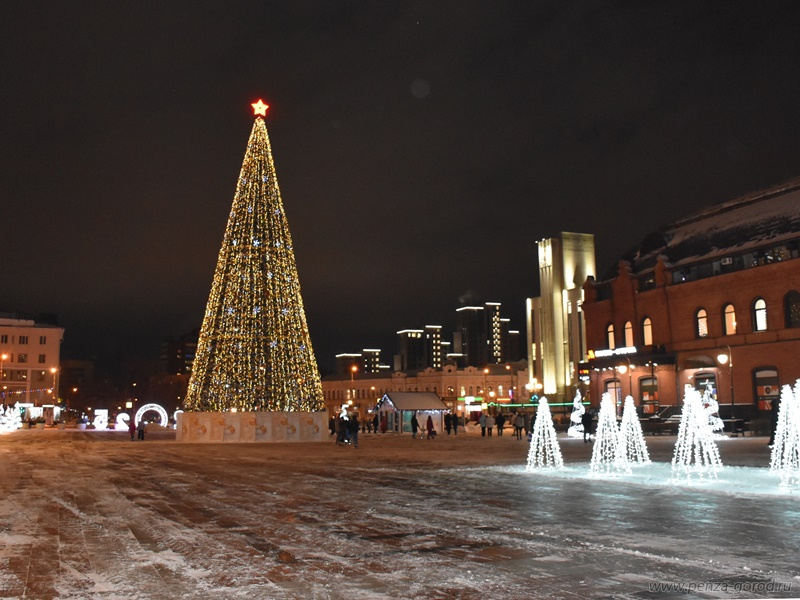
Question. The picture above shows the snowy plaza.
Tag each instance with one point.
(90, 514)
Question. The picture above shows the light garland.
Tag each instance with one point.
(576, 429)
(254, 351)
(631, 443)
(544, 451)
(695, 450)
(606, 460)
(785, 457)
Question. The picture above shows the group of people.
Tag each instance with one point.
(345, 427)
(518, 421)
(428, 426)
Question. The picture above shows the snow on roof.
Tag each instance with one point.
(752, 221)
(413, 401)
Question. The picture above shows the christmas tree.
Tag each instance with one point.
(576, 428)
(695, 451)
(605, 457)
(254, 350)
(544, 450)
(631, 437)
(785, 457)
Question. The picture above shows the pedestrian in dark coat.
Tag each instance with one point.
(500, 421)
(132, 428)
(586, 421)
(414, 425)
(375, 422)
(352, 429)
(454, 423)
(429, 425)
(773, 418)
(140, 428)
(447, 423)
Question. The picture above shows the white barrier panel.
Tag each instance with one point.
(251, 427)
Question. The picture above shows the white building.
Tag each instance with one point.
(556, 329)
(29, 361)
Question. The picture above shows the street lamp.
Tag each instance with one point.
(3, 358)
(54, 371)
(353, 370)
(728, 359)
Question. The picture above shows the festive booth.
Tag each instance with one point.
(396, 408)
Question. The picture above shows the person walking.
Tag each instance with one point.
(489, 424)
(454, 423)
(519, 423)
(773, 421)
(501, 421)
(414, 425)
(140, 429)
(429, 426)
(586, 421)
(132, 429)
(482, 422)
(375, 422)
(353, 427)
(447, 423)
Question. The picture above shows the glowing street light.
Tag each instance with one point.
(727, 359)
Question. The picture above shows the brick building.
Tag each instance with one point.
(710, 300)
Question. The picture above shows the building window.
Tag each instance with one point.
(704, 381)
(23, 339)
(647, 332)
(648, 391)
(759, 315)
(22, 358)
(40, 376)
(792, 309)
(701, 322)
(42, 359)
(729, 316)
(42, 340)
(629, 334)
(614, 389)
(3, 339)
(767, 386)
(610, 337)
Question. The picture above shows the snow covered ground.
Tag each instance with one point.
(94, 515)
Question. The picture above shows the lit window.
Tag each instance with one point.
(647, 332)
(730, 319)
(760, 315)
(792, 305)
(629, 334)
(610, 337)
(701, 321)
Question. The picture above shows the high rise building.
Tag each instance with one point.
(556, 330)
(410, 350)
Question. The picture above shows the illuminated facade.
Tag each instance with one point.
(29, 361)
(464, 391)
(555, 323)
(710, 300)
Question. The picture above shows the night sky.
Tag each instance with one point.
(422, 148)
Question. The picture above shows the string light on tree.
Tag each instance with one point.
(605, 458)
(544, 451)
(631, 444)
(576, 428)
(696, 452)
(785, 458)
(254, 351)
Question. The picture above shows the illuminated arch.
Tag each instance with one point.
(161, 413)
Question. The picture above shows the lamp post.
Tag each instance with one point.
(54, 371)
(728, 358)
(353, 370)
(3, 358)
